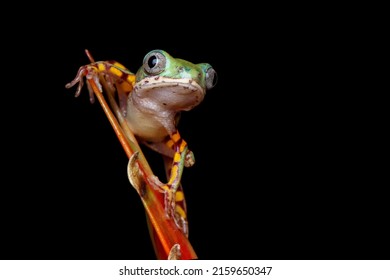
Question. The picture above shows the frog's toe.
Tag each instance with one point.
(189, 159)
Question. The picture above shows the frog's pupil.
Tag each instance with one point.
(152, 61)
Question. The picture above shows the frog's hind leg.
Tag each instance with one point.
(174, 200)
(175, 164)
(166, 148)
(180, 148)
(180, 206)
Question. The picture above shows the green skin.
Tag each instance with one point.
(177, 68)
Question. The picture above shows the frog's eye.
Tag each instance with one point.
(211, 78)
(154, 63)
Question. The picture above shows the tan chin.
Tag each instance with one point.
(172, 94)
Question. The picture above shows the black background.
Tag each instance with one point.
(281, 169)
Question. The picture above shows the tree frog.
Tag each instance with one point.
(151, 101)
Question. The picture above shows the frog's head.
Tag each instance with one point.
(174, 83)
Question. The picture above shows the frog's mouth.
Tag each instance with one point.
(176, 94)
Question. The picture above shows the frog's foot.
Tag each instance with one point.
(180, 219)
(169, 194)
(90, 72)
(189, 159)
(169, 201)
(173, 207)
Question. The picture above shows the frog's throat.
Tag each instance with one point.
(189, 85)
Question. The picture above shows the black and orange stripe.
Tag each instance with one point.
(115, 68)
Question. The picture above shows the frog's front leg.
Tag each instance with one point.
(90, 72)
(116, 76)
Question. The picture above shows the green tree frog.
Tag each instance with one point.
(151, 101)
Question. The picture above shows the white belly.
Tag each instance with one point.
(144, 125)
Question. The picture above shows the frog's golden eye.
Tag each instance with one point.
(211, 78)
(154, 63)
